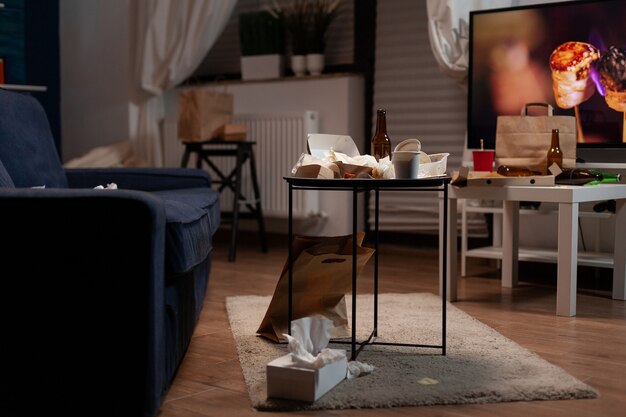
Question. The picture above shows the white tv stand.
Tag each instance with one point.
(593, 257)
(568, 199)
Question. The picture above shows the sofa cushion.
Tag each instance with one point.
(5, 178)
(26, 144)
(191, 223)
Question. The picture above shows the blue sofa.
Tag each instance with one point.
(101, 289)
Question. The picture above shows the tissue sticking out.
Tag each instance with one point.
(308, 341)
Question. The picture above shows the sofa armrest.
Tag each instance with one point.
(84, 272)
(145, 179)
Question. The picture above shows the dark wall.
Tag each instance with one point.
(42, 58)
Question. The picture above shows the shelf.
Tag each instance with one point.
(499, 210)
(596, 259)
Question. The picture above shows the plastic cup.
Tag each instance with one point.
(406, 163)
(483, 160)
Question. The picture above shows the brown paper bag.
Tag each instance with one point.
(322, 276)
(524, 140)
(202, 113)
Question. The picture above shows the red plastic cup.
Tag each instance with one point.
(483, 160)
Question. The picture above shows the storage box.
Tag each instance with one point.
(261, 67)
(288, 381)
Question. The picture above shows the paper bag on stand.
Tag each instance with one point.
(523, 141)
(202, 113)
(322, 276)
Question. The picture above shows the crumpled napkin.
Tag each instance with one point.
(110, 186)
(308, 341)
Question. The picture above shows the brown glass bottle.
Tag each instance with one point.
(554, 153)
(381, 144)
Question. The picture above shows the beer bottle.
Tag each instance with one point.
(554, 153)
(381, 144)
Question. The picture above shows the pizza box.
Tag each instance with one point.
(479, 178)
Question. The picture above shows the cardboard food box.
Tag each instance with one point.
(478, 178)
(288, 381)
(318, 144)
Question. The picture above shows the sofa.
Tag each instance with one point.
(102, 287)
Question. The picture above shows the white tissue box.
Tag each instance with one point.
(285, 380)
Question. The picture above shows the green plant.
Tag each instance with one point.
(260, 33)
(321, 14)
(306, 22)
(295, 17)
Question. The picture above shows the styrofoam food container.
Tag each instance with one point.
(437, 166)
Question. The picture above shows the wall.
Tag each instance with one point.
(95, 74)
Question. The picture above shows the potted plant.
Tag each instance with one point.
(321, 14)
(261, 42)
(295, 18)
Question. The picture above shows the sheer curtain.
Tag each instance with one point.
(173, 38)
(448, 31)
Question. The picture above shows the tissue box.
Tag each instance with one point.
(284, 380)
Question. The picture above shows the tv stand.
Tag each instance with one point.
(601, 158)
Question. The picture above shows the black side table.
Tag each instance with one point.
(243, 152)
(356, 186)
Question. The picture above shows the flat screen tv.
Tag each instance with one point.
(510, 65)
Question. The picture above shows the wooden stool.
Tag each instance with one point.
(243, 152)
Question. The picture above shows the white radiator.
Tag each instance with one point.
(280, 140)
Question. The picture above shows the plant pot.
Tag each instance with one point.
(261, 67)
(298, 65)
(315, 63)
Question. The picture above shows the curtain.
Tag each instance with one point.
(448, 31)
(173, 38)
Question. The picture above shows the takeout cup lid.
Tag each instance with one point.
(409, 145)
(404, 155)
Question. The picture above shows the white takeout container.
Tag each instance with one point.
(437, 165)
(319, 143)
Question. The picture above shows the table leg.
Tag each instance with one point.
(619, 251)
(510, 243)
(451, 261)
(354, 270)
(567, 260)
(290, 262)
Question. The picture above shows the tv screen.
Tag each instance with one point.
(511, 51)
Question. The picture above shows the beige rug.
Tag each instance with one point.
(481, 365)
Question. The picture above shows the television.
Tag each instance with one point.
(509, 65)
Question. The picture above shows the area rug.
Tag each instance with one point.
(481, 365)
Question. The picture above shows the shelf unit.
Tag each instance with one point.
(494, 251)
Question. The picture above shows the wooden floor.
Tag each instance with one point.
(590, 346)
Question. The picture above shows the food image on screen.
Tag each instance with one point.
(570, 64)
(566, 54)
(612, 70)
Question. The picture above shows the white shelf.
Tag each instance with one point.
(596, 259)
(498, 210)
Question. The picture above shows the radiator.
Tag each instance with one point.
(280, 140)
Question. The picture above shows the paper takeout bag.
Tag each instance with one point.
(322, 276)
(524, 140)
(202, 113)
